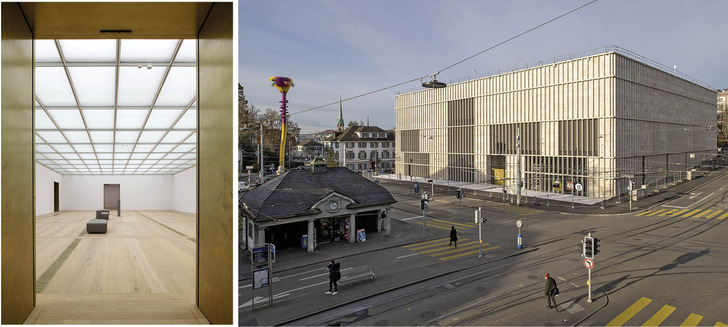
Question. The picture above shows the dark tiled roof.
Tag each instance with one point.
(309, 142)
(294, 192)
(349, 135)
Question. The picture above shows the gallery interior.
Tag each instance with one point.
(115, 211)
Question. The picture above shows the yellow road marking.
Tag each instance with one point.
(692, 320)
(720, 324)
(668, 212)
(702, 213)
(643, 213)
(660, 316)
(724, 216)
(656, 212)
(437, 223)
(433, 226)
(443, 248)
(691, 213)
(680, 212)
(469, 253)
(426, 246)
(459, 249)
(466, 225)
(715, 213)
(629, 312)
(427, 242)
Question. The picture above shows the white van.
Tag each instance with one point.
(243, 186)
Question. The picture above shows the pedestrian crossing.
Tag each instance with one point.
(628, 315)
(523, 211)
(687, 213)
(441, 249)
(446, 225)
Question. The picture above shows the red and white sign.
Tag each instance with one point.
(569, 185)
(588, 263)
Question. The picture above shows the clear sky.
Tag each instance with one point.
(345, 48)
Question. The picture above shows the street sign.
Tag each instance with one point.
(569, 185)
(519, 223)
(578, 187)
(588, 263)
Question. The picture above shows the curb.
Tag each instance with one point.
(288, 321)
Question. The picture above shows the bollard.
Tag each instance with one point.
(520, 245)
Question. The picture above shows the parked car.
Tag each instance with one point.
(243, 186)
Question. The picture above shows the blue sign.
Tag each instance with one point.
(260, 255)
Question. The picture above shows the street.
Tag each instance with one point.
(663, 263)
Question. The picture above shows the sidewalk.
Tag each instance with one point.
(561, 203)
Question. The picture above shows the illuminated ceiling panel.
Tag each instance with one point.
(85, 125)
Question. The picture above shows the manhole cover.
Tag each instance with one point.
(532, 277)
(382, 322)
(428, 315)
(480, 289)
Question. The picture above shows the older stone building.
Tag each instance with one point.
(599, 120)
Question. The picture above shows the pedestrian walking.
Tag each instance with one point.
(453, 236)
(551, 291)
(333, 274)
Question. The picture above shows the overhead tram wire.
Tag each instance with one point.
(447, 67)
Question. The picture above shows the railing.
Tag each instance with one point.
(557, 59)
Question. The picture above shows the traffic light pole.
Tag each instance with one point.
(479, 216)
(460, 205)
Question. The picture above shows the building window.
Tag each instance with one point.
(364, 135)
(336, 145)
(374, 144)
(385, 144)
(349, 155)
(373, 155)
(385, 154)
(362, 144)
(350, 144)
(351, 167)
(362, 155)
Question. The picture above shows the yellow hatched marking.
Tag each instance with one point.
(691, 213)
(427, 242)
(680, 212)
(436, 223)
(643, 213)
(724, 216)
(656, 212)
(427, 246)
(629, 312)
(668, 212)
(444, 247)
(469, 253)
(434, 226)
(660, 316)
(715, 213)
(466, 225)
(702, 213)
(720, 324)
(692, 320)
(456, 250)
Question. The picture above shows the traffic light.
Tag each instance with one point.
(589, 247)
(596, 246)
(459, 193)
(422, 204)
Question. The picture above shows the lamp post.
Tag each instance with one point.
(602, 166)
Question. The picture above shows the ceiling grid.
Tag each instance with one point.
(117, 107)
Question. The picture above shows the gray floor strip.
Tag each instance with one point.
(167, 227)
(44, 279)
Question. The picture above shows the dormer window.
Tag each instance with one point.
(365, 135)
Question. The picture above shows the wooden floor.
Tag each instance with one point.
(141, 271)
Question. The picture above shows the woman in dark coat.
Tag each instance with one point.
(334, 274)
(453, 236)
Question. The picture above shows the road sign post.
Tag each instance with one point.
(519, 224)
(479, 219)
(589, 263)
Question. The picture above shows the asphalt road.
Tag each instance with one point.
(663, 265)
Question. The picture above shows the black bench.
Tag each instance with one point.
(96, 226)
(102, 214)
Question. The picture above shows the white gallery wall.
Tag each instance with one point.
(44, 179)
(138, 192)
(185, 191)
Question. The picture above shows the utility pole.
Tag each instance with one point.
(261, 153)
(423, 206)
(518, 166)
